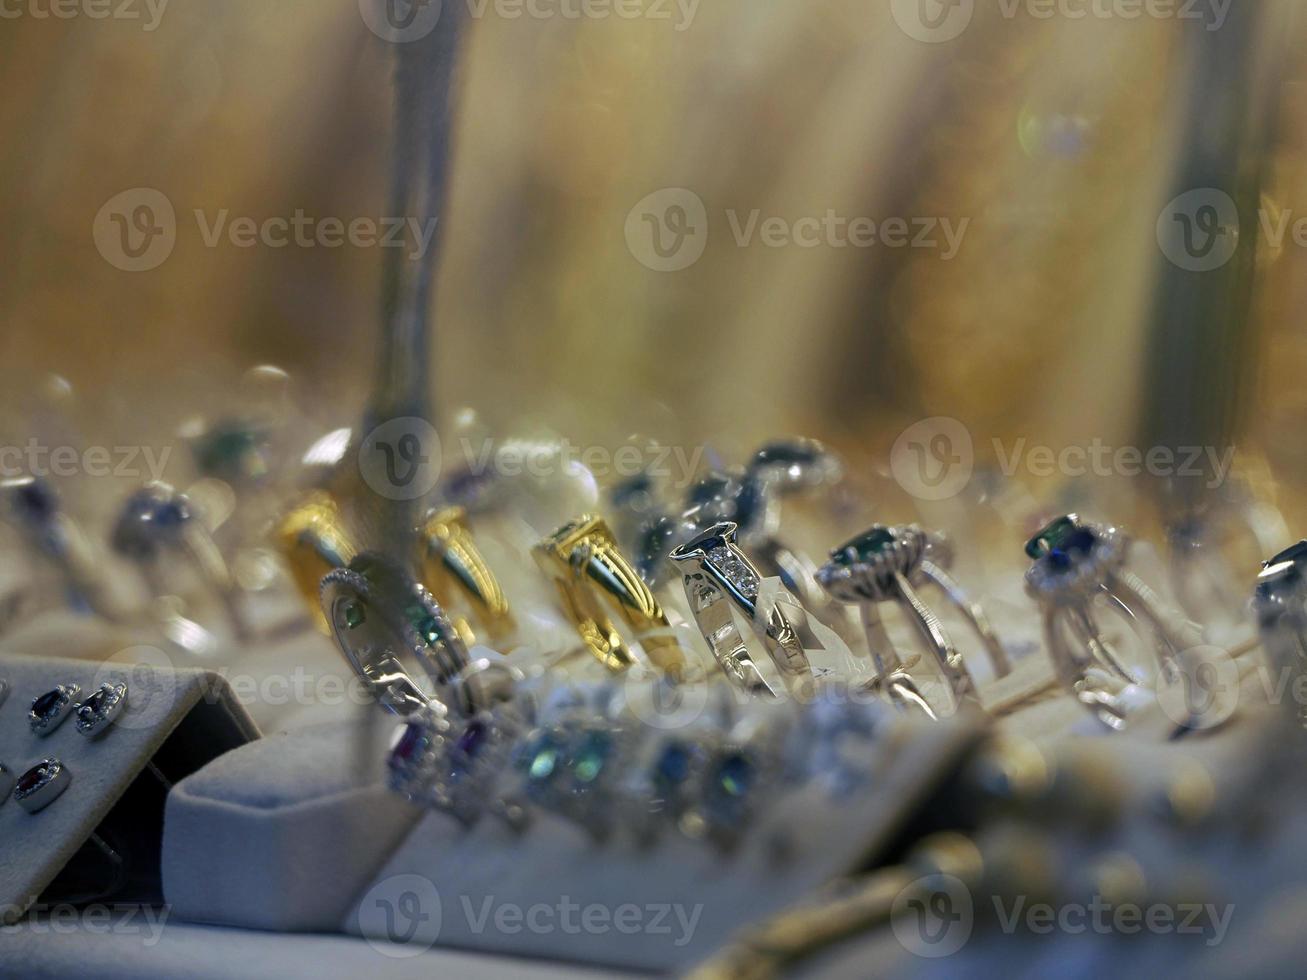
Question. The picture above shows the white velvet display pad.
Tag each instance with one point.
(554, 867)
(283, 833)
(35, 847)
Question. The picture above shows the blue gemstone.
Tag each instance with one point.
(37, 502)
(672, 768)
(473, 737)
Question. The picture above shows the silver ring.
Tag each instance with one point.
(1075, 562)
(41, 785)
(381, 617)
(33, 508)
(718, 575)
(1280, 601)
(158, 519)
(752, 501)
(101, 709)
(50, 710)
(879, 566)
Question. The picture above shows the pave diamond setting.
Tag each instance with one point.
(98, 712)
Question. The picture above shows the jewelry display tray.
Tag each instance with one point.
(297, 833)
(176, 721)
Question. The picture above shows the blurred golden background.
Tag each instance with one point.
(1057, 141)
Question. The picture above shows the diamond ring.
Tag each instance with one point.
(720, 578)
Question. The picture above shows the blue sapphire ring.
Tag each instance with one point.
(881, 565)
(52, 708)
(159, 520)
(383, 619)
(719, 580)
(1076, 562)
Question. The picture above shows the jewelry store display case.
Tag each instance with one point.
(640, 488)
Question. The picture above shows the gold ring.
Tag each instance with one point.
(313, 540)
(593, 578)
(456, 572)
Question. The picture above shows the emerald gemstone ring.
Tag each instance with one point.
(885, 564)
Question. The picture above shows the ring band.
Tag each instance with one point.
(1076, 561)
(454, 568)
(594, 579)
(314, 542)
(718, 576)
(381, 617)
(879, 566)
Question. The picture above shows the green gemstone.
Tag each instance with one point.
(867, 546)
(590, 760)
(353, 614)
(1057, 535)
(544, 763)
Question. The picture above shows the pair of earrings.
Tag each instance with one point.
(94, 715)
